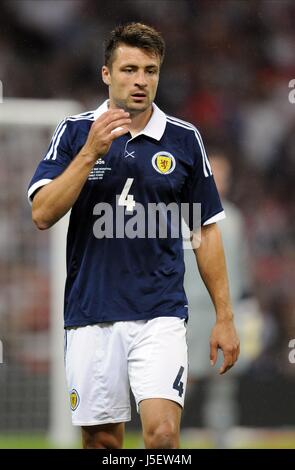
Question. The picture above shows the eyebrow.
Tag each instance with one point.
(150, 66)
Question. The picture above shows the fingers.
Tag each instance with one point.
(224, 337)
(111, 116)
(109, 126)
(213, 352)
(227, 363)
(236, 353)
(230, 358)
(114, 125)
(110, 120)
(118, 132)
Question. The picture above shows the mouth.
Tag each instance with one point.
(138, 95)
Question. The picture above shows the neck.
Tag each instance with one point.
(139, 121)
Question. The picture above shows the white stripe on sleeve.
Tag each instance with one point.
(35, 186)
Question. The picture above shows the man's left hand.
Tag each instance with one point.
(224, 337)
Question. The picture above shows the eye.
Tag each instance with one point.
(152, 71)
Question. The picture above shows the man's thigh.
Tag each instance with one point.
(97, 376)
(157, 362)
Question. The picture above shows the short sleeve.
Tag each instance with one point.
(58, 157)
(200, 192)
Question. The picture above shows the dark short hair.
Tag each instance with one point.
(135, 35)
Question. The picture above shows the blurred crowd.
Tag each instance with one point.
(227, 70)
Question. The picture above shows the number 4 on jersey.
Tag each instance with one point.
(126, 199)
(178, 384)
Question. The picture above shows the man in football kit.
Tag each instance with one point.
(125, 308)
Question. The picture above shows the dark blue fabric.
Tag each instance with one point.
(115, 279)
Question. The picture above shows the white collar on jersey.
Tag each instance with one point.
(155, 128)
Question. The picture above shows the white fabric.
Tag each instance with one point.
(102, 359)
(155, 128)
(36, 186)
(215, 218)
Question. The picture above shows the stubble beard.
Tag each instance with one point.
(132, 110)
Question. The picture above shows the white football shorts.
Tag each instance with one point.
(104, 360)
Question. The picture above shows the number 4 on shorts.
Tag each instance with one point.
(178, 384)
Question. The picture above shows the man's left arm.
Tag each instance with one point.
(211, 263)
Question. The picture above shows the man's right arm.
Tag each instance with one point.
(56, 198)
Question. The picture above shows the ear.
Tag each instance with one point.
(105, 74)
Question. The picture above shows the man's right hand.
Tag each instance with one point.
(54, 199)
(108, 127)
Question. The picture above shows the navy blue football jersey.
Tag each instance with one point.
(113, 275)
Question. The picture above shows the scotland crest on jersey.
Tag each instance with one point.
(163, 162)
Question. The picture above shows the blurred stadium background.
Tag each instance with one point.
(227, 70)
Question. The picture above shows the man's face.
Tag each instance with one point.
(132, 78)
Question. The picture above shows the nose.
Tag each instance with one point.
(140, 79)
